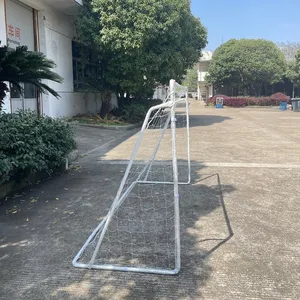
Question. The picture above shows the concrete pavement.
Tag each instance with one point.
(239, 217)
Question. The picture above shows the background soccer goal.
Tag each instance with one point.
(141, 230)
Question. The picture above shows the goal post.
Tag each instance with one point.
(141, 231)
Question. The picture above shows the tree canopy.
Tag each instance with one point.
(247, 65)
(293, 70)
(141, 43)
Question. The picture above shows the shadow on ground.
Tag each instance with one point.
(43, 227)
(54, 219)
(206, 120)
(91, 140)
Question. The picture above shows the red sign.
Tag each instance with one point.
(11, 30)
(14, 32)
(18, 33)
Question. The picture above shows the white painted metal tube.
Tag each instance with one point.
(162, 182)
(121, 195)
(175, 178)
(157, 145)
(188, 136)
(112, 210)
(128, 269)
(90, 238)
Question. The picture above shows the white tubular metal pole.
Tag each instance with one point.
(175, 177)
(188, 135)
(157, 146)
(77, 257)
(101, 229)
(129, 269)
(116, 200)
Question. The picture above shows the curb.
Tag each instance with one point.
(124, 128)
(249, 107)
(73, 156)
(269, 107)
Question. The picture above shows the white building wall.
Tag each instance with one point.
(204, 89)
(75, 103)
(160, 93)
(2, 23)
(56, 31)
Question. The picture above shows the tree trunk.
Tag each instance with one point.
(105, 107)
(266, 86)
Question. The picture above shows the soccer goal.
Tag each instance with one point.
(141, 231)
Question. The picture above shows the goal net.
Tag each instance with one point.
(141, 230)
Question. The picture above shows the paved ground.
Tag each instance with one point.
(239, 219)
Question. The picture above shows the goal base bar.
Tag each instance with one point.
(163, 182)
(77, 264)
(127, 269)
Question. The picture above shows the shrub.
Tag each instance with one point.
(273, 100)
(235, 102)
(136, 111)
(279, 97)
(258, 101)
(29, 144)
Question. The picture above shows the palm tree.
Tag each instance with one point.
(19, 66)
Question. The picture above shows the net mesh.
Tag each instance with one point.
(141, 231)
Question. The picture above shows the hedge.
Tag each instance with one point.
(31, 144)
(273, 100)
(136, 111)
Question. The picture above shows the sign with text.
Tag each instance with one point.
(14, 35)
(20, 29)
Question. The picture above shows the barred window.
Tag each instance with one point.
(84, 64)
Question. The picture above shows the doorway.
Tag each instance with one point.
(21, 31)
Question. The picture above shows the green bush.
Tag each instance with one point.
(30, 144)
(136, 111)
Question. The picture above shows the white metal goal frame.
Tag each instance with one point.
(178, 95)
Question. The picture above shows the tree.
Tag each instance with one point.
(191, 79)
(247, 65)
(141, 43)
(23, 66)
(293, 71)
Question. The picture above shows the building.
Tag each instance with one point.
(48, 26)
(205, 90)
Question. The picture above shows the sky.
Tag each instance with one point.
(275, 20)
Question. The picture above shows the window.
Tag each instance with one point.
(84, 64)
(14, 92)
(29, 91)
